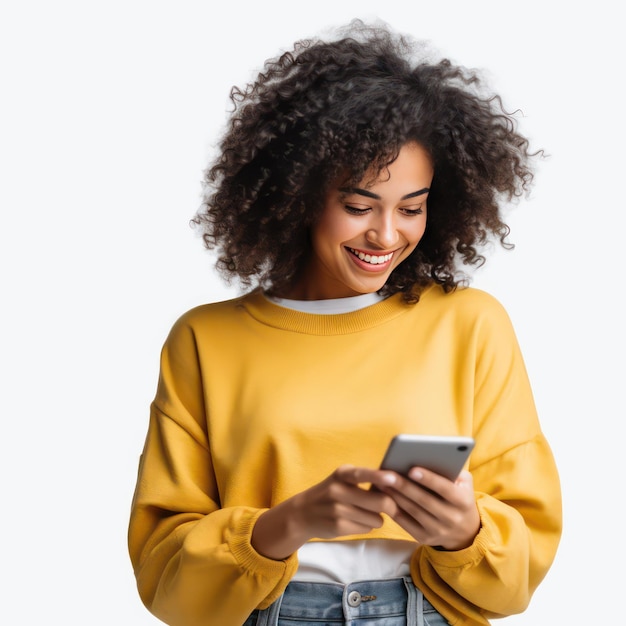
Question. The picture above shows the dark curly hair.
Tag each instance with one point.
(348, 105)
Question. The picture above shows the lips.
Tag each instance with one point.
(371, 259)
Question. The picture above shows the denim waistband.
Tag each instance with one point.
(361, 600)
(367, 598)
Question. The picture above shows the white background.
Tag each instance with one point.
(109, 113)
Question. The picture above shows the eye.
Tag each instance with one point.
(411, 212)
(353, 210)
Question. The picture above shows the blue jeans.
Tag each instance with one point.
(394, 602)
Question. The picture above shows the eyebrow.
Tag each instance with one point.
(375, 196)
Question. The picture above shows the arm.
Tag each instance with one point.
(514, 548)
(193, 561)
(515, 482)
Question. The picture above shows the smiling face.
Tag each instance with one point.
(366, 231)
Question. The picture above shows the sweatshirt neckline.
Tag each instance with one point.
(331, 306)
(276, 316)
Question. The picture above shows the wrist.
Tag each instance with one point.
(276, 534)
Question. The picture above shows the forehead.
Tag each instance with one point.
(412, 166)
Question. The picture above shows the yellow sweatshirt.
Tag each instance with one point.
(257, 402)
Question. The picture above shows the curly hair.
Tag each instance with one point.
(348, 105)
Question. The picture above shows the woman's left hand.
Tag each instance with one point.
(435, 510)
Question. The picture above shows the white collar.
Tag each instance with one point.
(331, 306)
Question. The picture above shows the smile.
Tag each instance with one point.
(372, 259)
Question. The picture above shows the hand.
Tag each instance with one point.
(337, 506)
(435, 510)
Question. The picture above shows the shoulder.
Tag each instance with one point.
(213, 318)
(212, 311)
(468, 315)
(467, 303)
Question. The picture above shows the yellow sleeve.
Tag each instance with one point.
(520, 530)
(517, 490)
(193, 560)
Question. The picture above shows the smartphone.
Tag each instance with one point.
(445, 455)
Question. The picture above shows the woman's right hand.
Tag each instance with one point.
(335, 507)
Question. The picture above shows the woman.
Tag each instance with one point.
(353, 180)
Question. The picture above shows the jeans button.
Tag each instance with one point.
(354, 598)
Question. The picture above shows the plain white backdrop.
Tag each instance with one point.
(110, 112)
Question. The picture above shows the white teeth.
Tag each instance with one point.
(372, 258)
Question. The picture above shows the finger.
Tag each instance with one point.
(458, 494)
(350, 507)
(367, 500)
(422, 507)
(411, 490)
(332, 528)
(435, 483)
(346, 513)
(360, 475)
(465, 480)
(422, 520)
(418, 501)
(412, 526)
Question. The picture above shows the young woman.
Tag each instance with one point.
(353, 180)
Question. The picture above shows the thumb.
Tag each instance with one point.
(465, 480)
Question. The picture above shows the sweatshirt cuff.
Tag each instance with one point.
(466, 556)
(239, 541)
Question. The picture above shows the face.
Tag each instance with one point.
(366, 231)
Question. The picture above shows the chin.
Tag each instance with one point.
(363, 289)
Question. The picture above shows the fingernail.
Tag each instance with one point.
(416, 475)
(389, 479)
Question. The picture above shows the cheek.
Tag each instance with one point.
(415, 234)
(332, 231)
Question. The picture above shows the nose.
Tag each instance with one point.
(383, 231)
